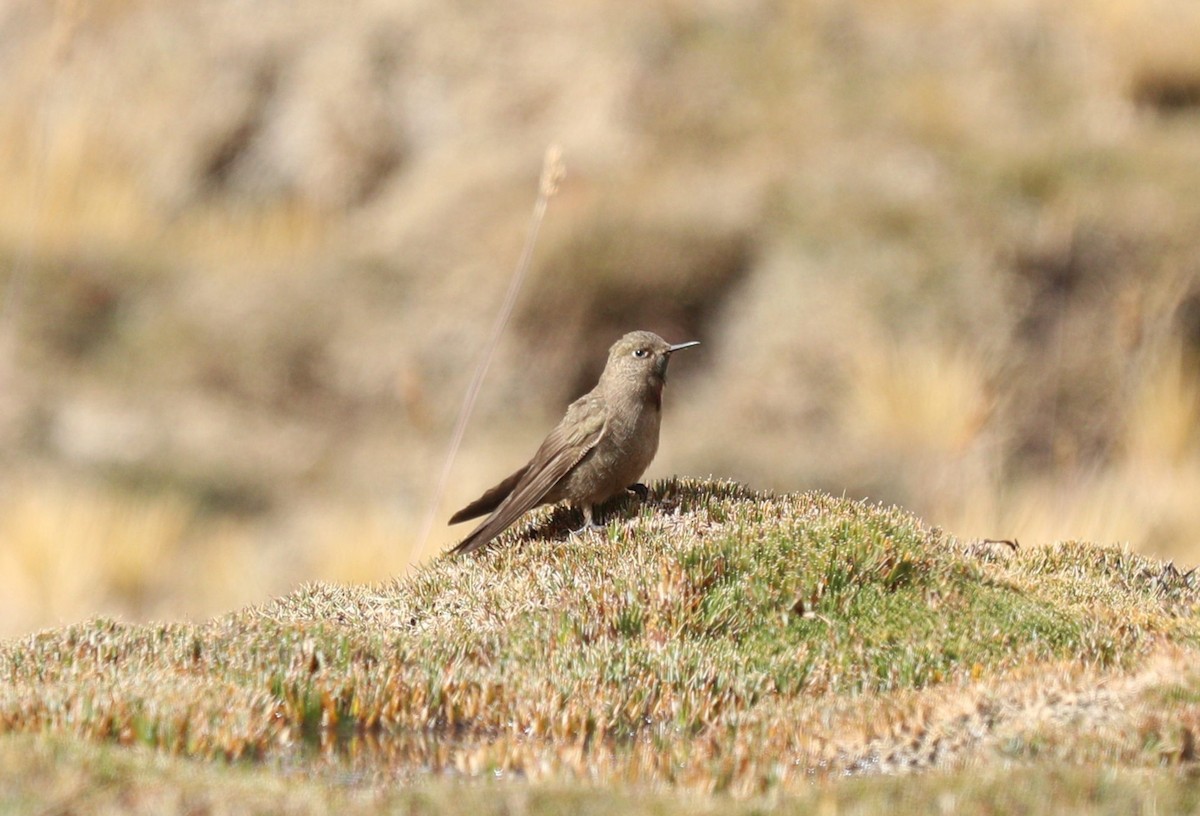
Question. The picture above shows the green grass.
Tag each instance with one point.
(713, 640)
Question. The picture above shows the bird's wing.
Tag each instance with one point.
(563, 449)
(490, 500)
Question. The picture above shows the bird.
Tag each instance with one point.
(601, 447)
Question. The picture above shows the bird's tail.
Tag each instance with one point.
(470, 544)
(490, 500)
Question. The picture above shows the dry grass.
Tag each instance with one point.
(1140, 496)
(66, 195)
(69, 550)
(64, 551)
(717, 640)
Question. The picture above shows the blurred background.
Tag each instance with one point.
(940, 254)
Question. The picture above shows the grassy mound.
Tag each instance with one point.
(712, 637)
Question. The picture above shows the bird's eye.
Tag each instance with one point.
(641, 352)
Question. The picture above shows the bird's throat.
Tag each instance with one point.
(654, 398)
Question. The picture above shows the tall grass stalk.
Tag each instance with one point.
(552, 174)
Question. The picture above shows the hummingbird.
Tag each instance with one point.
(601, 447)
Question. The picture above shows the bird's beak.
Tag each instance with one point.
(679, 346)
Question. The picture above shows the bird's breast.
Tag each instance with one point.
(621, 454)
(634, 434)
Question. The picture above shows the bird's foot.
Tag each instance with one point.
(639, 490)
(588, 524)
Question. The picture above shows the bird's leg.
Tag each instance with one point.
(639, 490)
(588, 524)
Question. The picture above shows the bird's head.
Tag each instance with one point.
(640, 359)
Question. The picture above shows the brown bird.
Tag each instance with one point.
(602, 446)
